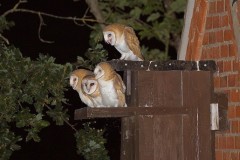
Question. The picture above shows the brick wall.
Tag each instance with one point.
(212, 37)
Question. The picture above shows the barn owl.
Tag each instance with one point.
(124, 39)
(90, 86)
(76, 83)
(111, 85)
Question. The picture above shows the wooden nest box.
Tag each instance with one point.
(172, 111)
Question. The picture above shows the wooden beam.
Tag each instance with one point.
(87, 112)
(122, 65)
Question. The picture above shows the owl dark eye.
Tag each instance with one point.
(74, 79)
(91, 84)
(109, 35)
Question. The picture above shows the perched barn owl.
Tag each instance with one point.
(124, 39)
(111, 85)
(76, 83)
(90, 86)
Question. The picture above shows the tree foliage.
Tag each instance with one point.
(90, 143)
(30, 92)
(158, 22)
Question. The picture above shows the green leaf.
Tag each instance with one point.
(136, 12)
(90, 143)
(153, 17)
(178, 6)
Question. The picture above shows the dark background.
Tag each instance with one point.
(70, 41)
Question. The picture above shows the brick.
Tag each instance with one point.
(216, 21)
(232, 79)
(230, 142)
(238, 80)
(227, 66)
(210, 53)
(236, 66)
(216, 52)
(224, 51)
(231, 112)
(226, 155)
(232, 49)
(201, 18)
(222, 142)
(204, 53)
(224, 21)
(212, 38)
(209, 23)
(216, 82)
(216, 142)
(228, 35)
(206, 38)
(220, 66)
(227, 6)
(234, 96)
(237, 142)
(212, 7)
(223, 81)
(234, 126)
(238, 112)
(238, 126)
(234, 156)
(219, 155)
(220, 6)
(219, 36)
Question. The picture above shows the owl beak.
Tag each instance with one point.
(73, 86)
(88, 90)
(109, 41)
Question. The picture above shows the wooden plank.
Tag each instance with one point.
(159, 89)
(128, 143)
(144, 138)
(121, 65)
(88, 112)
(167, 135)
(168, 89)
(134, 89)
(197, 87)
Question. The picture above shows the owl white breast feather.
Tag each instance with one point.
(124, 39)
(76, 83)
(111, 85)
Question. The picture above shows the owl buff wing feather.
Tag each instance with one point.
(120, 88)
(132, 41)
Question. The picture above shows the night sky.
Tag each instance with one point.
(70, 40)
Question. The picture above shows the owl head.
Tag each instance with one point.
(104, 71)
(77, 76)
(112, 32)
(89, 84)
